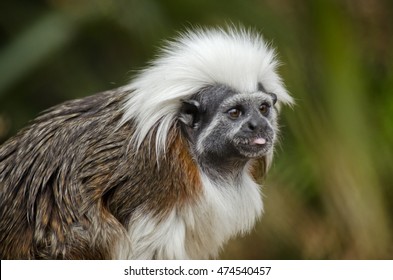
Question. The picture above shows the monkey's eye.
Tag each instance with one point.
(264, 108)
(234, 113)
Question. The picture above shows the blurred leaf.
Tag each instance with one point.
(50, 33)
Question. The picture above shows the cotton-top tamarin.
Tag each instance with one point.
(163, 168)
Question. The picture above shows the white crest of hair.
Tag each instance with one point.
(235, 57)
(195, 231)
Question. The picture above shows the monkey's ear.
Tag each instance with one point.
(189, 113)
(274, 97)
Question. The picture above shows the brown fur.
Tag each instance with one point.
(70, 182)
(258, 169)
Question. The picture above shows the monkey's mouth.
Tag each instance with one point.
(256, 141)
(253, 146)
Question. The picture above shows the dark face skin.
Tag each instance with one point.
(227, 128)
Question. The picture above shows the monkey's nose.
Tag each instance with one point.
(254, 125)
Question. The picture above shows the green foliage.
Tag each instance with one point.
(329, 193)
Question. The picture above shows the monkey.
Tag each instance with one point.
(164, 167)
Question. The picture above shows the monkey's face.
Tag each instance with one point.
(223, 124)
(247, 124)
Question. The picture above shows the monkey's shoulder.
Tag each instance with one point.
(56, 146)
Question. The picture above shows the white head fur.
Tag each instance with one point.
(234, 57)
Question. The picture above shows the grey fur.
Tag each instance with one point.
(220, 143)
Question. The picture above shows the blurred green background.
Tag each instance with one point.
(329, 193)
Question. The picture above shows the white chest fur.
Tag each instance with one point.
(196, 231)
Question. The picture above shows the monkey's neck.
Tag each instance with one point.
(224, 170)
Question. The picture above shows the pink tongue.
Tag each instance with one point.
(259, 141)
